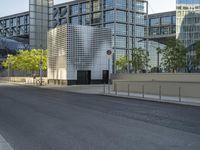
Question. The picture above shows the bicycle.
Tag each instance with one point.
(40, 82)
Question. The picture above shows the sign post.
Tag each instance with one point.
(109, 54)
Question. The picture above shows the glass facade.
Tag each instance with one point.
(162, 24)
(124, 17)
(188, 21)
(39, 23)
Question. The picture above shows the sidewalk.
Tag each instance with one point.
(103, 90)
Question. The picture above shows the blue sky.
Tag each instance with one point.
(8, 7)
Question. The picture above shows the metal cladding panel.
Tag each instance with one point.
(83, 47)
(57, 53)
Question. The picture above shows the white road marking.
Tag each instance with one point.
(4, 145)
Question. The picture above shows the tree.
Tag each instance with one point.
(122, 63)
(27, 60)
(174, 56)
(140, 59)
(196, 57)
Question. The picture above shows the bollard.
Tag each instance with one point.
(160, 96)
(179, 94)
(128, 89)
(142, 91)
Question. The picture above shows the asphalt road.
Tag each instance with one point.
(44, 119)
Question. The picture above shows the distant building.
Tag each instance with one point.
(161, 28)
(77, 54)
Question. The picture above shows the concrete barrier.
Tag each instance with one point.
(184, 85)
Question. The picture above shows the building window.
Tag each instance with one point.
(121, 42)
(174, 20)
(74, 10)
(121, 4)
(166, 20)
(85, 20)
(121, 29)
(121, 16)
(21, 20)
(85, 7)
(63, 11)
(74, 21)
(108, 4)
(109, 16)
(96, 18)
(154, 21)
(154, 31)
(96, 5)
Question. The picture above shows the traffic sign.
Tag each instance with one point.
(109, 52)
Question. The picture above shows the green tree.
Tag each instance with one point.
(196, 57)
(140, 59)
(174, 56)
(122, 63)
(27, 60)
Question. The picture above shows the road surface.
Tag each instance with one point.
(44, 119)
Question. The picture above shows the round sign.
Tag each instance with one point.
(109, 52)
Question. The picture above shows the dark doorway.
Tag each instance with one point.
(105, 76)
(83, 77)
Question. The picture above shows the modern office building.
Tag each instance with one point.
(124, 17)
(188, 27)
(77, 54)
(162, 27)
(188, 21)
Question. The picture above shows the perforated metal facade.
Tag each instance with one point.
(78, 48)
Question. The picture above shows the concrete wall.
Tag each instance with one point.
(168, 84)
(186, 77)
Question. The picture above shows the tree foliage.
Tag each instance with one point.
(139, 60)
(196, 57)
(174, 56)
(122, 63)
(27, 60)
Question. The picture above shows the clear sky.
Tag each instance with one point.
(8, 7)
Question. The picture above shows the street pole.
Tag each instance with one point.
(41, 68)
(158, 62)
(108, 74)
(109, 55)
(8, 72)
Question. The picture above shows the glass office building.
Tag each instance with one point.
(124, 17)
(188, 21)
(162, 27)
